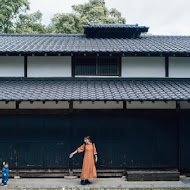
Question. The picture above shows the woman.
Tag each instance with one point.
(89, 160)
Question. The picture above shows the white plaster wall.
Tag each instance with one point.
(49, 66)
(151, 105)
(184, 105)
(47, 105)
(179, 67)
(11, 66)
(97, 105)
(143, 67)
(10, 105)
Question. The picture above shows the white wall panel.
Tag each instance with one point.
(47, 105)
(179, 67)
(97, 105)
(9, 105)
(184, 105)
(143, 67)
(49, 66)
(151, 105)
(11, 66)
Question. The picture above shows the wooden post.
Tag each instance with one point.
(124, 105)
(17, 105)
(178, 129)
(25, 66)
(166, 66)
(70, 106)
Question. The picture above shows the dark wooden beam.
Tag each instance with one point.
(166, 66)
(124, 105)
(25, 66)
(120, 65)
(177, 106)
(70, 106)
(130, 112)
(17, 105)
(178, 129)
(73, 60)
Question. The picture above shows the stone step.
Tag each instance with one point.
(153, 175)
(59, 173)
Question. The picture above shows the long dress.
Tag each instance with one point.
(88, 167)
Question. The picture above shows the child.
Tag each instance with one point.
(5, 173)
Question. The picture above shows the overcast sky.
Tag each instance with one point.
(169, 17)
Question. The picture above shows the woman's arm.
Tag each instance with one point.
(96, 158)
(72, 154)
(78, 150)
(95, 153)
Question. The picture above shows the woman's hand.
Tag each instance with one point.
(71, 155)
(96, 159)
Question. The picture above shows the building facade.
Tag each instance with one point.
(129, 91)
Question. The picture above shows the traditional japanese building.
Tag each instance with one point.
(129, 91)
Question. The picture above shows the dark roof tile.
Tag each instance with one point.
(31, 89)
(81, 44)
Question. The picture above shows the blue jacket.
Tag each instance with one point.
(5, 173)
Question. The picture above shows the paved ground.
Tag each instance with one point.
(99, 184)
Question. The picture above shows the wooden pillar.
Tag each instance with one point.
(70, 106)
(25, 66)
(17, 105)
(166, 66)
(178, 132)
(124, 105)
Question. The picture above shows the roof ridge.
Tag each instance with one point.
(83, 35)
(43, 35)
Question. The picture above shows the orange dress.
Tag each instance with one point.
(88, 167)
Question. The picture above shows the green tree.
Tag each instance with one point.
(66, 23)
(30, 23)
(9, 10)
(95, 11)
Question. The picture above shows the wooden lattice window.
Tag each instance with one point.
(97, 66)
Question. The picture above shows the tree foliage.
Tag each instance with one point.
(67, 23)
(30, 23)
(94, 11)
(15, 19)
(9, 10)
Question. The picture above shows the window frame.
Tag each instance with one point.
(74, 62)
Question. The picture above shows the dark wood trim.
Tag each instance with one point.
(70, 106)
(177, 106)
(17, 105)
(178, 110)
(137, 112)
(124, 105)
(166, 66)
(120, 66)
(135, 54)
(25, 66)
(73, 66)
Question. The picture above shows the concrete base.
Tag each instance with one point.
(108, 183)
(16, 177)
(70, 177)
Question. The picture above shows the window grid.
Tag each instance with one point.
(97, 66)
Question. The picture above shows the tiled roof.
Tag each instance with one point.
(114, 30)
(82, 44)
(113, 89)
(113, 26)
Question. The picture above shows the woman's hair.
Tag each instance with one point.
(87, 137)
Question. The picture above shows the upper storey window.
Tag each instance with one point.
(97, 66)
